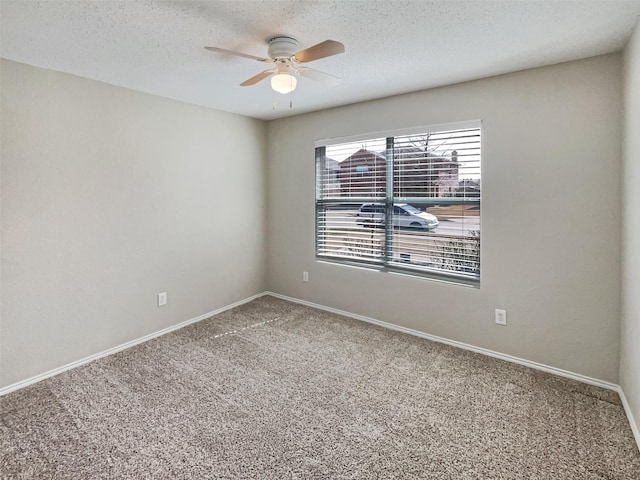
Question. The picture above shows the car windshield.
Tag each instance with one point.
(373, 207)
(411, 209)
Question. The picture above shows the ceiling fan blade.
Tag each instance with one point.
(321, 50)
(237, 54)
(319, 76)
(256, 78)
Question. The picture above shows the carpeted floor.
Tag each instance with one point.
(275, 390)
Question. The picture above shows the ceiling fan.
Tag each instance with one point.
(286, 62)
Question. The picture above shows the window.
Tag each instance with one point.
(408, 203)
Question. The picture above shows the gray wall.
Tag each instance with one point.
(110, 196)
(551, 218)
(630, 348)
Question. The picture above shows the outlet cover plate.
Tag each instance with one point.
(162, 299)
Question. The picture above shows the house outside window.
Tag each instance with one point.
(406, 202)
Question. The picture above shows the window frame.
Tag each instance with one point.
(390, 202)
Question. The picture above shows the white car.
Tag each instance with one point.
(404, 216)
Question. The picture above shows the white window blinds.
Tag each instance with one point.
(407, 202)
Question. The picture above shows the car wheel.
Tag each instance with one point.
(415, 225)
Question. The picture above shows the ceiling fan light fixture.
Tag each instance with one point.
(284, 83)
(285, 60)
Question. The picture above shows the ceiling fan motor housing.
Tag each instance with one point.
(282, 46)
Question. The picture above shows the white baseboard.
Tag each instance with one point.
(632, 420)
(119, 348)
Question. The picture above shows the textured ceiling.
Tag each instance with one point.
(391, 46)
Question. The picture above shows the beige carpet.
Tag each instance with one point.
(275, 390)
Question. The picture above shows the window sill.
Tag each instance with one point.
(436, 277)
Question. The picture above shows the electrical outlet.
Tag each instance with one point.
(305, 276)
(162, 299)
(501, 316)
